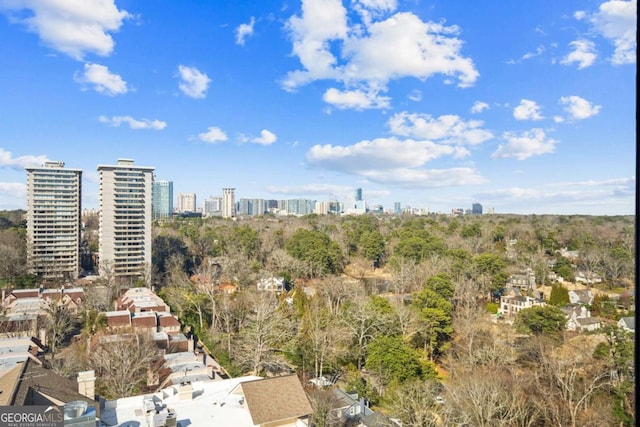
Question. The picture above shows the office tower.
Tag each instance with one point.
(251, 207)
(125, 219)
(186, 202)
(212, 206)
(162, 206)
(476, 209)
(358, 194)
(228, 202)
(53, 221)
(397, 208)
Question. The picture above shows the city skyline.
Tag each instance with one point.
(524, 108)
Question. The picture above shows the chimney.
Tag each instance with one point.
(87, 384)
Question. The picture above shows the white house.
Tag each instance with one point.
(628, 324)
(272, 284)
(513, 302)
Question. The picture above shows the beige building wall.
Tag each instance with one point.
(53, 221)
(125, 219)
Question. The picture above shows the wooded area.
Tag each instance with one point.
(400, 309)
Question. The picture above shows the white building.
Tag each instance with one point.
(212, 206)
(53, 221)
(186, 202)
(125, 219)
(228, 202)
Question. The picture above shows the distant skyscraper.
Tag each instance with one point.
(186, 202)
(162, 206)
(212, 206)
(476, 209)
(358, 194)
(397, 208)
(228, 202)
(125, 219)
(53, 221)
(251, 207)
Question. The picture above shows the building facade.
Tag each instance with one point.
(162, 205)
(186, 202)
(212, 206)
(125, 219)
(228, 202)
(476, 209)
(54, 197)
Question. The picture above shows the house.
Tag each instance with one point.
(579, 318)
(140, 300)
(277, 401)
(352, 410)
(581, 296)
(272, 284)
(588, 279)
(628, 324)
(239, 402)
(25, 382)
(525, 280)
(512, 302)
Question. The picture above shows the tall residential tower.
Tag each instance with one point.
(53, 221)
(228, 202)
(125, 219)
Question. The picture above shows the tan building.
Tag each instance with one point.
(125, 219)
(228, 202)
(53, 221)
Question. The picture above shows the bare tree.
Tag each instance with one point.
(567, 383)
(261, 342)
(415, 404)
(121, 364)
(58, 323)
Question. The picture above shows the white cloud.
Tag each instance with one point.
(394, 162)
(415, 95)
(583, 54)
(479, 107)
(616, 20)
(579, 108)
(74, 27)
(450, 129)
(378, 154)
(356, 99)
(558, 119)
(266, 138)
(244, 30)
(371, 54)
(102, 80)
(18, 163)
(567, 192)
(15, 190)
(405, 46)
(194, 83)
(527, 144)
(527, 110)
(116, 121)
(539, 51)
(427, 178)
(213, 135)
(579, 15)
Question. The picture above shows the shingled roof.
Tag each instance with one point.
(275, 399)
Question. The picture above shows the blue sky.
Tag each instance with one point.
(524, 107)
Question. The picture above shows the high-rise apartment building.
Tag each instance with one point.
(476, 209)
(162, 204)
(53, 221)
(358, 194)
(186, 202)
(251, 207)
(228, 202)
(125, 219)
(397, 208)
